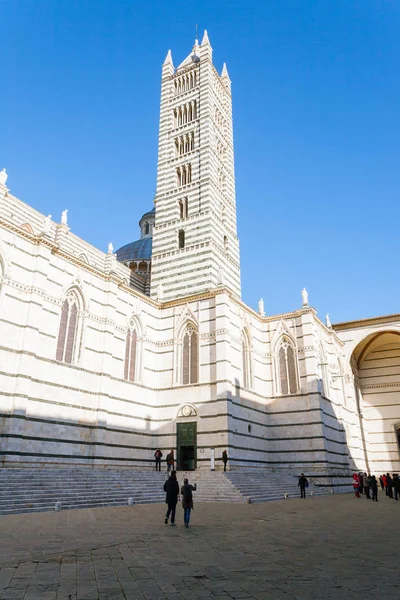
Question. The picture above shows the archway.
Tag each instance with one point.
(376, 367)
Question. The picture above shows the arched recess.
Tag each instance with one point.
(27, 227)
(133, 350)
(70, 333)
(188, 354)
(375, 362)
(247, 379)
(286, 371)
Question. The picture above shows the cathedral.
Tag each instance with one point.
(106, 357)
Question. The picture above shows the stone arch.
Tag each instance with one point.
(375, 362)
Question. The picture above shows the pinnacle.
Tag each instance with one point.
(205, 41)
(168, 59)
(224, 72)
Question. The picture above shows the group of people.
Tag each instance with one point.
(171, 487)
(367, 485)
(170, 460)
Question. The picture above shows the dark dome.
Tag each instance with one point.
(139, 250)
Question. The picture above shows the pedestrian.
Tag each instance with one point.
(356, 485)
(396, 486)
(384, 483)
(381, 482)
(187, 500)
(224, 458)
(360, 483)
(170, 459)
(158, 457)
(389, 485)
(374, 488)
(303, 483)
(171, 487)
(366, 485)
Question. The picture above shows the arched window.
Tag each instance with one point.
(130, 354)
(68, 344)
(225, 243)
(181, 239)
(190, 353)
(287, 368)
(183, 208)
(146, 228)
(246, 360)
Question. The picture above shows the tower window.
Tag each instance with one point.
(146, 228)
(183, 208)
(225, 243)
(181, 238)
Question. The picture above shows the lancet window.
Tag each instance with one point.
(190, 353)
(130, 354)
(184, 175)
(185, 82)
(287, 368)
(184, 144)
(69, 334)
(181, 239)
(185, 113)
(246, 360)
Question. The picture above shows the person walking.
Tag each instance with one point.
(303, 483)
(374, 488)
(366, 485)
(224, 458)
(360, 483)
(171, 487)
(384, 483)
(389, 485)
(170, 459)
(158, 457)
(381, 482)
(187, 500)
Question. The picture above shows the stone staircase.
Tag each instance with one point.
(35, 490)
(263, 486)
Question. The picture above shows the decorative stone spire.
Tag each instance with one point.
(205, 41)
(168, 66)
(224, 72)
(110, 248)
(261, 310)
(205, 47)
(168, 59)
(328, 321)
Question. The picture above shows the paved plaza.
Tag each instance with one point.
(320, 548)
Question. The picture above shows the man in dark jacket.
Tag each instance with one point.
(171, 487)
(224, 458)
(303, 483)
(389, 485)
(158, 457)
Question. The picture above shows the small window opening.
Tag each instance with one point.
(181, 239)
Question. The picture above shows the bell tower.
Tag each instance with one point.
(195, 243)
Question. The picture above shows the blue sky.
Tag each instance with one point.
(316, 97)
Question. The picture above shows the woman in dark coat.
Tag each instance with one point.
(187, 500)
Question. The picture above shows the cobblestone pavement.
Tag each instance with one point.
(321, 548)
